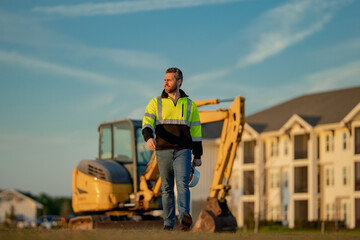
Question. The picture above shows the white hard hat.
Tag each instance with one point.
(194, 177)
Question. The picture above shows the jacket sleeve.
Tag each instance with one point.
(149, 120)
(195, 131)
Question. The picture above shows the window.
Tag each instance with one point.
(301, 146)
(327, 143)
(142, 151)
(357, 140)
(327, 212)
(105, 142)
(345, 210)
(318, 179)
(327, 177)
(344, 141)
(285, 179)
(301, 180)
(249, 151)
(344, 176)
(265, 152)
(332, 177)
(357, 176)
(248, 182)
(357, 212)
(249, 213)
(122, 142)
(301, 210)
(286, 146)
(265, 182)
(272, 149)
(318, 147)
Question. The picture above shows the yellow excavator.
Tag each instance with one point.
(124, 180)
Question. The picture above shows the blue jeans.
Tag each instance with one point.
(174, 164)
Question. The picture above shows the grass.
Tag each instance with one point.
(115, 234)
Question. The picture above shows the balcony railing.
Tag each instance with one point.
(301, 154)
(249, 159)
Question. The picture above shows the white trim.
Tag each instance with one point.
(251, 130)
(292, 121)
(350, 116)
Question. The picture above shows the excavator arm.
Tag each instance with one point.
(234, 120)
(216, 217)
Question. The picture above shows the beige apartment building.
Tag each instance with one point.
(300, 161)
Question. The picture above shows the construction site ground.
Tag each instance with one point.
(116, 234)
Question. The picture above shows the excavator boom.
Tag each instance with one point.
(216, 217)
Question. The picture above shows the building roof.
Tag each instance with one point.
(14, 194)
(318, 108)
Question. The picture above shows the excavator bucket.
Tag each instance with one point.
(216, 217)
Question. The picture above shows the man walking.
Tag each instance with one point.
(175, 120)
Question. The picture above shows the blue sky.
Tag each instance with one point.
(66, 66)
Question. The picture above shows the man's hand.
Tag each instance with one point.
(197, 162)
(151, 144)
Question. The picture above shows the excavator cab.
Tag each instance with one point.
(109, 182)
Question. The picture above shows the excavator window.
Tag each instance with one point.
(122, 142)
(116, 142)
(105, 142)
(143, 152)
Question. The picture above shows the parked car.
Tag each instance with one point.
(51, 221)
(24, 222)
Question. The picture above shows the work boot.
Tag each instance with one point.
(186, 222)
(167, 228)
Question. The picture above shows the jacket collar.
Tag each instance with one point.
(165, 95)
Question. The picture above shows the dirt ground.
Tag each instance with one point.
(112, 234)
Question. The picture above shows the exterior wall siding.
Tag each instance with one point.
(330, 164)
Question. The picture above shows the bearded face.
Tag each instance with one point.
(171, 85)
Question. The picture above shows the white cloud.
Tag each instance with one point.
(49, 67)
(121, 57)
(27, 32)
(137, 113)
(284, 26)
(345, 76)
(198, 80)
(280, 28)
(112, 8)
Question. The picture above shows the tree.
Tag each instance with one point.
(65, 208)
(10, 217)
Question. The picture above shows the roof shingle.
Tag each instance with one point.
(318, 108)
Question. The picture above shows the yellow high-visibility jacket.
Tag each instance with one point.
(176, 126)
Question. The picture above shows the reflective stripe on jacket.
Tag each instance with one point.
(176, 126)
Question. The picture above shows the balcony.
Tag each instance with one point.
(301, 180)
(357, 176)
(301, 146)
(249, 150)
(248, 183)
